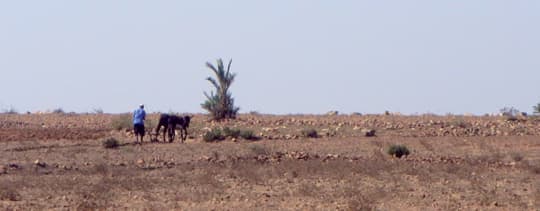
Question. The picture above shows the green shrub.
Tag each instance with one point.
(98, 111)
(111, 143)
(248, 135)
(58, 111)
(310, 133)
(122, 121)
(214, 135)
(398, 150)
(233, 133)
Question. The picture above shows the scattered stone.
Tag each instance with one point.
(330, 157)
(3, 169)
(40, 163)
(140, 162)
(299, 155)
(205, 158)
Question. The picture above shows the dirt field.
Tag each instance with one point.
(57, 161)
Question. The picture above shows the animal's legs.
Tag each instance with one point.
(171, 133)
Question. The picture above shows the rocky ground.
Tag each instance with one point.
(57, 161)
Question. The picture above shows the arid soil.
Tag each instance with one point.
(57, 161)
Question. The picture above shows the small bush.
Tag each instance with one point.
(536, 109)
(398, 150)
(122, 121)
(214, 135)
(58, 111)
(98, 111)
(310, 133)
(111, 143)
(510, 113)
(233, 133)
(248, 135)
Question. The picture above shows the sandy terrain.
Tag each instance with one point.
(57, 161)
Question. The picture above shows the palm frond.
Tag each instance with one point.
(211, 66)
(213, 82)
(220, 104)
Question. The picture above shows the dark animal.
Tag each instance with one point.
(169, 122)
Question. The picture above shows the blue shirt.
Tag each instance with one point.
(138, 116)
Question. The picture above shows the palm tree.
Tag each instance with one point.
(536, 109)
(220, 104)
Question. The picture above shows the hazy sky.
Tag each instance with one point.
(290, 56)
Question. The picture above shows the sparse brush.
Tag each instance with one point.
(98, 111)
(218, 135)
(248, 135)
(58, 111)
(233, 133)
(111, 143)
(214, 135)
(510, 113)
(536, 109)
(310, 133)
(122, 121)
(398, 151)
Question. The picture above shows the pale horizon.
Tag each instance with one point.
(291, 57)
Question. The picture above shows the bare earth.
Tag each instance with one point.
(57, 161)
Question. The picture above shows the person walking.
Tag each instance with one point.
(139, 115)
